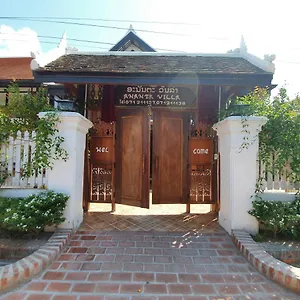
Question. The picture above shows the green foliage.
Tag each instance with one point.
(278, 217)
(31, 214)
(21, 114)
(279, 140)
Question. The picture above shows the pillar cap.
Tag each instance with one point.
(235, 122)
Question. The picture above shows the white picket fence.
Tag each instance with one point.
(278, 181)
(14, 155)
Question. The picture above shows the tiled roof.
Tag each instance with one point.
(15, 68)
(152, 64)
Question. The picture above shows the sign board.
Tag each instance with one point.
(101, 149)
(156, 96)
(201, 151)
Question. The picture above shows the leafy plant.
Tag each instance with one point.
(21, 114)
(278, 217)
(31, 214)
(279, 139)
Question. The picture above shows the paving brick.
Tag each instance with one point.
(163, 259)
(83, 288)
(99, 276)
(143, 277)
(250, 288)
(64, 297)
(234, 278)
(67, 257)
(54, 275)
(202, 260)
(170, 298)
(36, 286)
(59, 287)
(183, 260)
(143, 298)
(124, 258)
(89, 297)
(212, 278)
(107, 288)
(208, 253)
(153, 267)
(143, 258)
(215, 268)
(200, 289)
(115, 251)
(171, 252)
(38, 297)
(174, 268)
(228, 289)
(115, 298)
(155, 288)
(105, 257)
(121, 276)
(131, 288)
(126, 244)
(134, 251)
(77, 250)
(96, 250)
(76, 276)
(152, 251)
(88, 237)
(91, 266)
(195, 269)
(109, 244)
(112, 266)
(166, 278)
(179, 288)
(133, 267)
(54, 266)
(188, 278)
(70, 266)
(85, 257)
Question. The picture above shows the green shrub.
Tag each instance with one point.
(31, 214)
(278, 217)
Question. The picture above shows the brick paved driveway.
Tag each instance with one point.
(150, 265)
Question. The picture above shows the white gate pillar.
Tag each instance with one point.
(238, 171)
(67, 176)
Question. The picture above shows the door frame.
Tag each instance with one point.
(120, 112)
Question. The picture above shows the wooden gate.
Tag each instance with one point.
(170, 157)
(204, 164)
(132, 157)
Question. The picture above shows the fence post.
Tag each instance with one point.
(238, 172)
(67, 177)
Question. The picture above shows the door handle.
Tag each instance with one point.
(143, 164)
(156, 164)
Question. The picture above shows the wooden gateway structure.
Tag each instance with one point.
(152, 139)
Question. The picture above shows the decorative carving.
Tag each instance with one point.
(202, 130)
(101, 184)
(94, 96)
(100, 128)
(201, 182)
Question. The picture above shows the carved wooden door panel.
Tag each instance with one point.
(170, 157)
(132, 157)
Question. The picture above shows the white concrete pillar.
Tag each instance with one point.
(67, 177)
(238, 171)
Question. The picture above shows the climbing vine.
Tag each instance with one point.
(279, 139)
(21, 114)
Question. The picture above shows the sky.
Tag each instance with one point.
(202, 26)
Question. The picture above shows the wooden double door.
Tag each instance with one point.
(151, 155)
